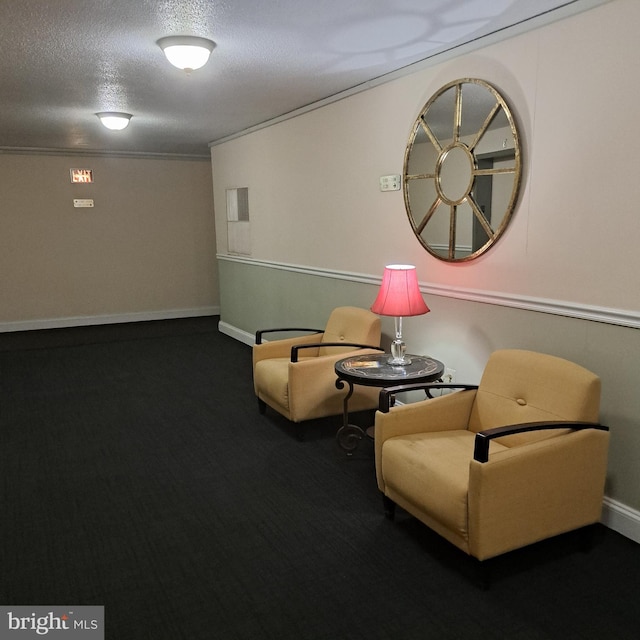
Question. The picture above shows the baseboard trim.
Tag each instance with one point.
(238, 334)
(621, 518)
(85, 321)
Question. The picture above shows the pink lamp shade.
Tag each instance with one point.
(399, 293)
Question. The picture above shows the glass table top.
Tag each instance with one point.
(374, 367)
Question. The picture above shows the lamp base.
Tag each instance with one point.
(398, 357)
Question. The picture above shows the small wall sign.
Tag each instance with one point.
(83, 202)
(81, 175)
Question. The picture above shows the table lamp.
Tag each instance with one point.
(399, 296)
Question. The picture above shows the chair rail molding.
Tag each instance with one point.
(607, 315)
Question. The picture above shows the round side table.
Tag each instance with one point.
(373, 370)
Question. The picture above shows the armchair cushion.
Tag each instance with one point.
(439, 460)
(446, 413)
(519, 386)
(350, 324)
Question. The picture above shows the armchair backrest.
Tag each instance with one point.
(520, 386)
(351, 324)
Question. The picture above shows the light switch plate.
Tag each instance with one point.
(390, 183)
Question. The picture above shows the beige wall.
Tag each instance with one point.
(315, 178)
(317, 216)
(145, 250)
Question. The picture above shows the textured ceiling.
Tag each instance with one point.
(62, 61)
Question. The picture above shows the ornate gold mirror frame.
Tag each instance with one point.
(462, 170)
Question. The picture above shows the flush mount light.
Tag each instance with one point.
(187, 52)
(114, 120)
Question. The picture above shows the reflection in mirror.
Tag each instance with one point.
(455, 175)
(462, 170)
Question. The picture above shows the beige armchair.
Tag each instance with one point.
(456, 463)
(296, 376)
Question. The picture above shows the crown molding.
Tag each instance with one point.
(96, 153)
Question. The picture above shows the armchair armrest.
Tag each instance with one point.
(296, 348)
(260, 332)
(388, 393)
(481, 446)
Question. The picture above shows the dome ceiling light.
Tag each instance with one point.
(114, 120)
(187, 52)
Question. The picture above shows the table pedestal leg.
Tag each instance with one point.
(348, 435)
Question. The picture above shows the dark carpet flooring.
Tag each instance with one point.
(138, 474)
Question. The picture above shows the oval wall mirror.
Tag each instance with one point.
(462, 170)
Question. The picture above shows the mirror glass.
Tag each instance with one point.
(462, 170)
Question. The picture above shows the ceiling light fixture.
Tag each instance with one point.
(187, 52)
(114, 120)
